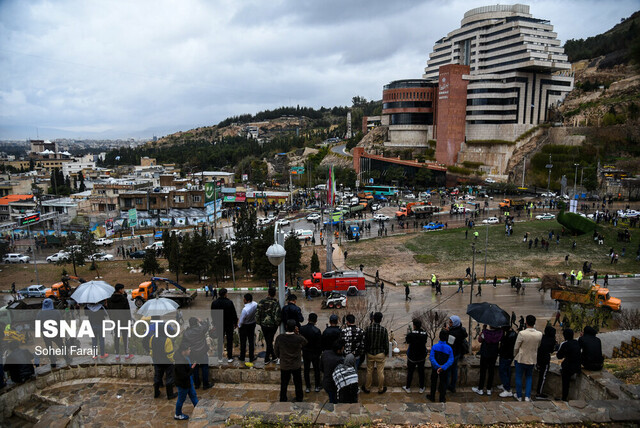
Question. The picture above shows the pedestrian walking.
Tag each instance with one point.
(416, 354)
(606, 280)
(526, 352)
(382, 287)
(557, 320)
(376, 343)
(438, 288)
(479, 293)
(442, 358)
(229, 319)
(460, 284)
(566, 260)
(311, 352)
(513, 318)
(184, 380)
(247, 327)
(407, 291)
(288, 348)
(495, 281)
(468, 272)
(579, 277)
(521, 323)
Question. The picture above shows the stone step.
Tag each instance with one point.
(16, 421)
(32, 410)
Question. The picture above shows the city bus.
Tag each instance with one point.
(382, 190)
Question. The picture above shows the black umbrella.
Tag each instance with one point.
(490, 314)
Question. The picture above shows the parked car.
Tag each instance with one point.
(375, 207)
(628, 213)
(103, 241)
(380, 217)
(409, 196)
(548, 195)
(58, 257)
(101, 257)
(138, 254)
(33, 291)
(434, 226)
(313, 217)
(545, 216)
(489, 180)
(283, 222)
(16, 258)
(158, 245)
(491, 220)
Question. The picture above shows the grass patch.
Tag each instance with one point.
(364, 259)
(473, 165)
(459, 170)
(625, 369)
(425, 258)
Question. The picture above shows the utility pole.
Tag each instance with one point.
(33, 254)
(486, 246)
(549, 166)
(524, 165)
(473, 274)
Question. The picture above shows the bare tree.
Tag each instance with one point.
(433, 321)
(628, 319)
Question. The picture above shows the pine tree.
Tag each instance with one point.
(173, 256)
(293, 258)
(150, 265)
(82, 187)
(315, 263)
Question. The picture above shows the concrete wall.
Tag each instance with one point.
(409, 136)
(507, 132)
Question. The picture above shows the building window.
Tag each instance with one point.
(178, 199)
(138, 201)
(152, 201)
(196, 198)
(127, 203)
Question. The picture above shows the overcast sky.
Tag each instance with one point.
(120, 68)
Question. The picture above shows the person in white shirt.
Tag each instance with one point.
(526, 354)
(247, 327)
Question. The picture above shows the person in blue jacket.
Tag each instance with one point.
(441, 358)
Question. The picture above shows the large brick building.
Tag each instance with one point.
(495, 77)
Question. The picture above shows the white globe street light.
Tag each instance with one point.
(276, 254)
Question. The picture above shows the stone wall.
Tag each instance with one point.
(410, 136)
(590, 385)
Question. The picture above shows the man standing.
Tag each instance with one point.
(441, 358)
(247, 327)
(382, 287)
(162, 357)
(353, 337)
(407, 291)
(195, 338)
(268, 316)
(292, 311)
(547, 347)
(331, 333)
(288, 348)
(311, 351)
(591, 350)
(229, 319)
(526, 351)
(120, 311)
(376, 344)
(416, 354)
(505, 352)
(569, 351)
(457, 340)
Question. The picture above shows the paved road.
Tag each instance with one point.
(341, 150)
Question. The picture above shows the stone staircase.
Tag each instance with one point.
(618, 340)
(627, 350)
(40, 411)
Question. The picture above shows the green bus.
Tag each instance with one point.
(382, 190)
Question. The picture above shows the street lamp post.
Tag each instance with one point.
(486, 246)
(575, 179)
(233, 270)
(276, 254)
(549, 166)
(473, 274)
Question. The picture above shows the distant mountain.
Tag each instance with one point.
(16, 132)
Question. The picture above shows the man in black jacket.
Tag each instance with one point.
(329, 361)
(331, 333)
(457, 340)
(120, 311)
(591, 350)
(547, 346)
(183, 372)
(505, 351)
(229, 319)
(195, 337)
(569, 351)
(416, 354)
(292, 311)
(311, 351)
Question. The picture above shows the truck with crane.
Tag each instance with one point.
(149, 289)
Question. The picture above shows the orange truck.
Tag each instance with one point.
(61, 290)
(350, 282)
(510, 203)
(149, 289)
(593, 296)
(407, 211)
(417, 209)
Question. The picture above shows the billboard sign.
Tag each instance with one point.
(133, 217)
(210, 192)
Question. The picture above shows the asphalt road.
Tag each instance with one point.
(341, 150)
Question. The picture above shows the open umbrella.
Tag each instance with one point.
(92, 292)
(157, 307)
(489, 313)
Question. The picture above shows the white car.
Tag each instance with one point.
(303, 233)
(16, 258)
(283, 222)
(155, 246)
(103, 241)
(489, 180)
(545, 216)
(491, 220)
(58, 257)
(375, 207)
(380, 217)
(265, 221)
(101, 257)
(628, 213)
(548, 195)
(410, 196)
(313, 217)
(33, 291)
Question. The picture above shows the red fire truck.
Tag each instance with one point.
(350, 281)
